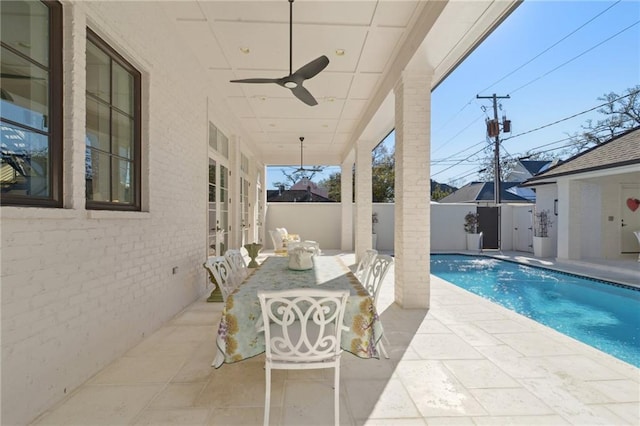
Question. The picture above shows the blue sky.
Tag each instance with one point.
(590, 48)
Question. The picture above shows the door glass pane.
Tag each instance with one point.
(224, 208)
(212, 216)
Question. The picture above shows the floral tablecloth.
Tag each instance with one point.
(238, 337)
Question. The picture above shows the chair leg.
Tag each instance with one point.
(382, 349)
(267, 395)
(336, 395)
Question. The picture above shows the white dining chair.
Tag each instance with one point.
(302, 330)
(373, 281)
(223, 274)
(238, 265)
(362, 270)
(277, 240)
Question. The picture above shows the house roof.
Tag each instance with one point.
(535, 166)
(621, 150)
(295, 195)
(475, 192)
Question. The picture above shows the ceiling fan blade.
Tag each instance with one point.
(312, 68)
(304, 95)
(256, 80)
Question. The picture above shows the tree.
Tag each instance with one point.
(383, 174)
(291, 178)
(382, 177)
(507, 164)
(621, 113)
(439, 192)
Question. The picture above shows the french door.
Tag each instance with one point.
(218, 218)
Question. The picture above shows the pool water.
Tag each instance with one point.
(600, 314)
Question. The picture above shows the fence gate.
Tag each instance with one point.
(490, 227)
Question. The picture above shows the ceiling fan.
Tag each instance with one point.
(302, 169)
(294, 80)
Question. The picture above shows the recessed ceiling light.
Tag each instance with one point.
(272, 125)
(339, 52)
(331, 99)
(245, 50)
(326, 126)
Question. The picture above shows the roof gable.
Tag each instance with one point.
(621, 150)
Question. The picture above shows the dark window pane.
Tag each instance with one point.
(212, 193)
(98, 125)
(98, 176)
(98, 71)
(25, 91)
(121, 183)
(24, 167)
(113, 129)
(25, 27)
(122, 135)
(122, 89)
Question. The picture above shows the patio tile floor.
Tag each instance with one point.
(465, 361)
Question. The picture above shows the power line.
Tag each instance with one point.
(549, 48)
(575, 57)
(570, 117)
(519, 68)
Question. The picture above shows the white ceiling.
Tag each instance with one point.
(379, 38)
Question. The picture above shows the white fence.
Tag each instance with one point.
(321, 222)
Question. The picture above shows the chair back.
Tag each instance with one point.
(222, 273)
(238, 265)
(303, 325)
(377, 271)
(276, 239)
(362, 270)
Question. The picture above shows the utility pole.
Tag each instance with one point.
(493, 128)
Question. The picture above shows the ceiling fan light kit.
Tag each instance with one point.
(294, 80)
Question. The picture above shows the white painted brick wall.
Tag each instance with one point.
(80, 288)
(412, 231)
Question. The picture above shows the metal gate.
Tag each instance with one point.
(489, 218)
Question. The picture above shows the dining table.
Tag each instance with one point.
(238, 335)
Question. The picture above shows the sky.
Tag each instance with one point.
(554, 59)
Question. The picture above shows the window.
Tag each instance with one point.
(31, 103)
(113, 129)
(218, 141)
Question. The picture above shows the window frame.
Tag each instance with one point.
(55, 113)
(136, 204)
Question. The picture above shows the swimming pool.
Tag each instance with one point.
(603, 315)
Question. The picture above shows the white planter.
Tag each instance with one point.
(374, 240)
(473, 242)
(543, 247)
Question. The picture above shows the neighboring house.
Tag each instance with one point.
(482, 193)
(304, 191)
(595, 199)
(523, 170)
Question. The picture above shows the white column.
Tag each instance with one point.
(412, 189)
(346, 199)
(363, 198)
(568, 220)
